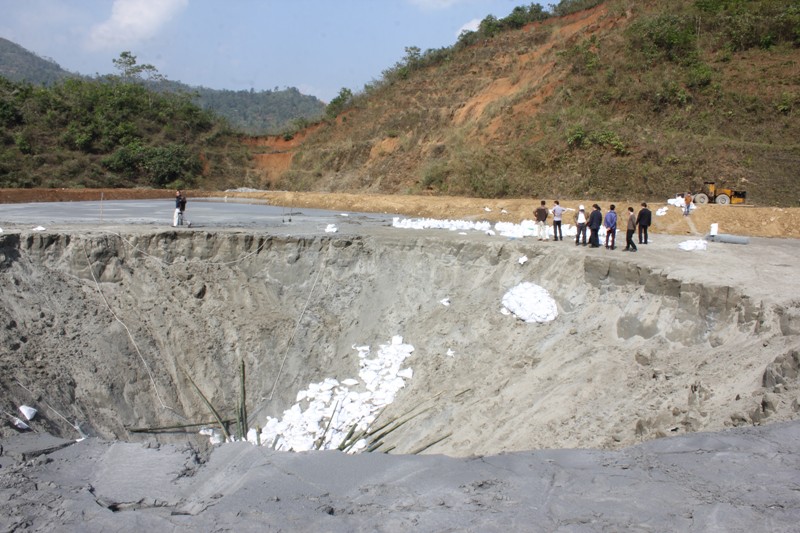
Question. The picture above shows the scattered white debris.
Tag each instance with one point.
(39, 228)
(19, 424)
(677, 201)
(503, 211)
(325, 412)
(215, 436)
(522, 260)
(487, 209)
(531, 303)
(661, 211)
(451, 353)
(445, 302)
(432, 223)
(693, 245)
(344, 214)
(680, 202)
(526, 228)
(331, 228)
(714, 229)
(244, 189)
(27, 411)
(462, 233)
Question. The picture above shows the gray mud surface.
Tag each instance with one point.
(664, 396)
(737, 480)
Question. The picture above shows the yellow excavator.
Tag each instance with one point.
(721, 196)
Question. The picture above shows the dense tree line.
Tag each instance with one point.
(101, 132)
(261, 112)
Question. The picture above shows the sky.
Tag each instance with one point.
(316, 46)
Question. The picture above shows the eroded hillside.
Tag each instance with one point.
(592, 104)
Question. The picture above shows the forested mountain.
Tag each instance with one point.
(251, 112)
(19, 64)
(254, 112)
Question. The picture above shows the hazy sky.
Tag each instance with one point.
(317, 46)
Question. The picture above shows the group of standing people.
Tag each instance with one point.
(593, 222)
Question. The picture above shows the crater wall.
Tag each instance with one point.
(105, 329)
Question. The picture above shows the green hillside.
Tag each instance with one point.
(111, 133)
(19, 64)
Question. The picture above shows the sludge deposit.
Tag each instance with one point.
(108, 331)
(114, 332)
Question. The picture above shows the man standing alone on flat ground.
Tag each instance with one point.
(180, 205)
(643, 220)
(541, 221)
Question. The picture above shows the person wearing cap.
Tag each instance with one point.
(580, 223)
(643, 220)
(594, 223)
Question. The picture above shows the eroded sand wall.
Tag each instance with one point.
(105, 328)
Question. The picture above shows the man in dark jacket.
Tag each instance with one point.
(610, 222)
(595, 221)
(643, 220)
(540, 214)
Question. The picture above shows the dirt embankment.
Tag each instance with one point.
(738, 220)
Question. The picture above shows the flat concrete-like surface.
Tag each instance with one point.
(202, 213)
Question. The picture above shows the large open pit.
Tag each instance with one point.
(103, 329)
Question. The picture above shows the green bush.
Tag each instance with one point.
(435, 176)
(23, 143)
(10, 114)
(576, 137)
(154, 165)
(785, 104)
(582, 56)
(339, 103)
(567, 7)
(667, 36)
(699, 75)
(610, 140)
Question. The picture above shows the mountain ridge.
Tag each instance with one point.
(251, 112)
